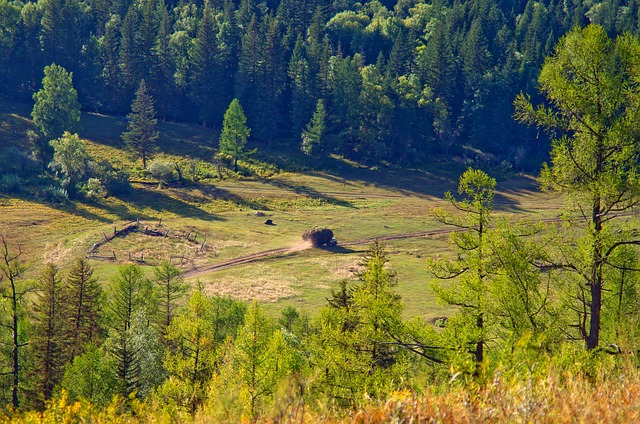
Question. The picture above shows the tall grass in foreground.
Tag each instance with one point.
(556, 398)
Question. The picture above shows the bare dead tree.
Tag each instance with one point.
(11, 269)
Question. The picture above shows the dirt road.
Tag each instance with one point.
(285, 251)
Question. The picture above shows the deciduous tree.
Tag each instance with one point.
(56, 107)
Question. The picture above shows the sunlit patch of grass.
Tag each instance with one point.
(262, 283)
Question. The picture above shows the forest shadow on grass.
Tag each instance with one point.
(431, 183)
(175, 138)
(305, 190)
(161, 201)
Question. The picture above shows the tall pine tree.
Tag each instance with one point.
(141, 134)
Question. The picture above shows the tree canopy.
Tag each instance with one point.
(56, 107)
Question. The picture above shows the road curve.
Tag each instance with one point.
(285, 251)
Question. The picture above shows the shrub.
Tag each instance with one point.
(14, 161)
(10, 183)
(53, 193)
(162, 170)
(95, 189)
(115, 181)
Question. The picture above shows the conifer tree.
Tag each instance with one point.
(61, 32)
(234, 132)
(356, 343)
(13, 293)
(198, 334)
(129, 293)
(83, 307)
(112, 84)
(49, 334)
(203, 68)
(161, 84)
(314, 131)
(470, 292)
(591, 84)
(261, 358)
(141, 134)
(300, 81)
(170, 288)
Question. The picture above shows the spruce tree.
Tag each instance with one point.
(203, 68)
(234, 132)
(300, 81)
(112, 83)
(141, 134)
(314, 131)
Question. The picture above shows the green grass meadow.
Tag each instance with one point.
(356, 202)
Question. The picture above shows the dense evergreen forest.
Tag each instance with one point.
(400, 81)
(532, 306)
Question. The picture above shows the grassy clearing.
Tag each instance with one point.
(356, 202)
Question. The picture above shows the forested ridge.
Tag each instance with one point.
(400, 81)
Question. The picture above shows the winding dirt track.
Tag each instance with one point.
(285, 251)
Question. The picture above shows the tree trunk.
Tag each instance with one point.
(16, 359)
(479, 353)
(593, 338)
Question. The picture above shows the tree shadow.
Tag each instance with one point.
(340, 250)
(70, 207)
(175, 138)
(215, 193)
(429, 183)
(161, 201)
(307, 191)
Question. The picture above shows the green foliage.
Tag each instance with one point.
(91, 377)
(162, 170)
(314, 131)
(83, 302)
(197, 336)
(470, 269)
(258, 361)
(170, 288)
(14, 302)
(70, 162)
(591, 84)
(49, 333)
(357, 341)
(141, 134)
(234, 133)
(56, 107)
(129, 294)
